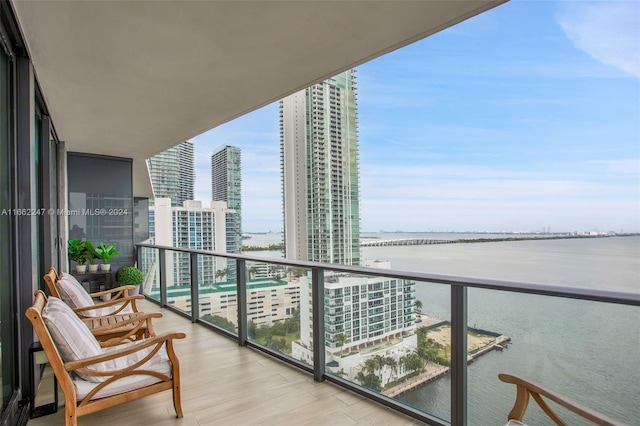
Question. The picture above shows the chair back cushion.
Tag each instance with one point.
(71, 336)
(75, 341)
(72, 292)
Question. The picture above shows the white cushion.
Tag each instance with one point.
(515, 423)
(71, 336)
(125, 384)
(73, 293)
(75, 341)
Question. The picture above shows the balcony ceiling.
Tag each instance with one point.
(131, 79)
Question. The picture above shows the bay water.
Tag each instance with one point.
(587, 351)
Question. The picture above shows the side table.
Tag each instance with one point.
(38, 357)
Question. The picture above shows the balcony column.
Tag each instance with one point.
(317, 291)
(195, 306)
(241, 274)
(162, 263)
(458, 355)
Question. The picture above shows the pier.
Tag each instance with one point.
(479, 343)
(432, 372)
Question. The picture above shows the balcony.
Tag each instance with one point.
(455, 337)
(226, 384)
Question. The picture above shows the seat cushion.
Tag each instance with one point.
(159, 363)
(72, 292)
(125, 384)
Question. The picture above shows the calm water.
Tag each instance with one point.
(588, 351)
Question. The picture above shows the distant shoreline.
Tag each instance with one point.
(421, 241)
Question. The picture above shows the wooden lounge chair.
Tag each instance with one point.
(93, 378)
(116, 318)
(526, 388)
(67, 288)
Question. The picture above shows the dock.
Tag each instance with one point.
(432, 372)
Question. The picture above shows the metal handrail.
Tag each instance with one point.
(596, 295)
(459, 308)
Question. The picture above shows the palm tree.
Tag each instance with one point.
(341, 339)
(252, 271)
(418, 305)
(380, 362)
(221, 273)
(393, 364)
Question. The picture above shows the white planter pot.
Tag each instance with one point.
(93, 268)
(105, 267)
(81, 269)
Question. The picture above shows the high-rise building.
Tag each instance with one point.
(226, 185)
(320, 176)
(173, 174)
(191, 226)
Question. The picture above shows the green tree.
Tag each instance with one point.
(369, 380)
(418, 305)
(221, 273)
(221, 322)
(252, 330)
(342, 339)
(252, 270)
(393, 364)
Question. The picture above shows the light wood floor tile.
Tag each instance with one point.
(225, 384)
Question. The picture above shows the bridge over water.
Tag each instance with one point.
(404, 242)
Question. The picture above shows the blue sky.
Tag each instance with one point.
(525, 117)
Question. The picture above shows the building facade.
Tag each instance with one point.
(320, 174)
(190, 226)
(226, 185)
(172, 173)
(362, 315)
(269, 300)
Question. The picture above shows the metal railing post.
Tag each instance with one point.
(162, 263)
(458, 355)
(317, 292)
(195, 306)
(241, 277)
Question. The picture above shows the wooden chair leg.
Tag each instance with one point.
(177, 404)
(71, 419)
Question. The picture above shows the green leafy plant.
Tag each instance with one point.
(90, 252)
(130, 275)
(106, 252)
(77, 251)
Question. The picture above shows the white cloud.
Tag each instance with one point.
(609, 31)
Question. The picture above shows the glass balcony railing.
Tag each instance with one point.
(437, 361)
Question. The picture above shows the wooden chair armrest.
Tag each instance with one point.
(526, 388)
(122, 302)
(137, 321)
(137, 346)
(115, 292)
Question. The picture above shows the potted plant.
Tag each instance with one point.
(91, 255)
(130, 275)
(106, 253)
(77, 253)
